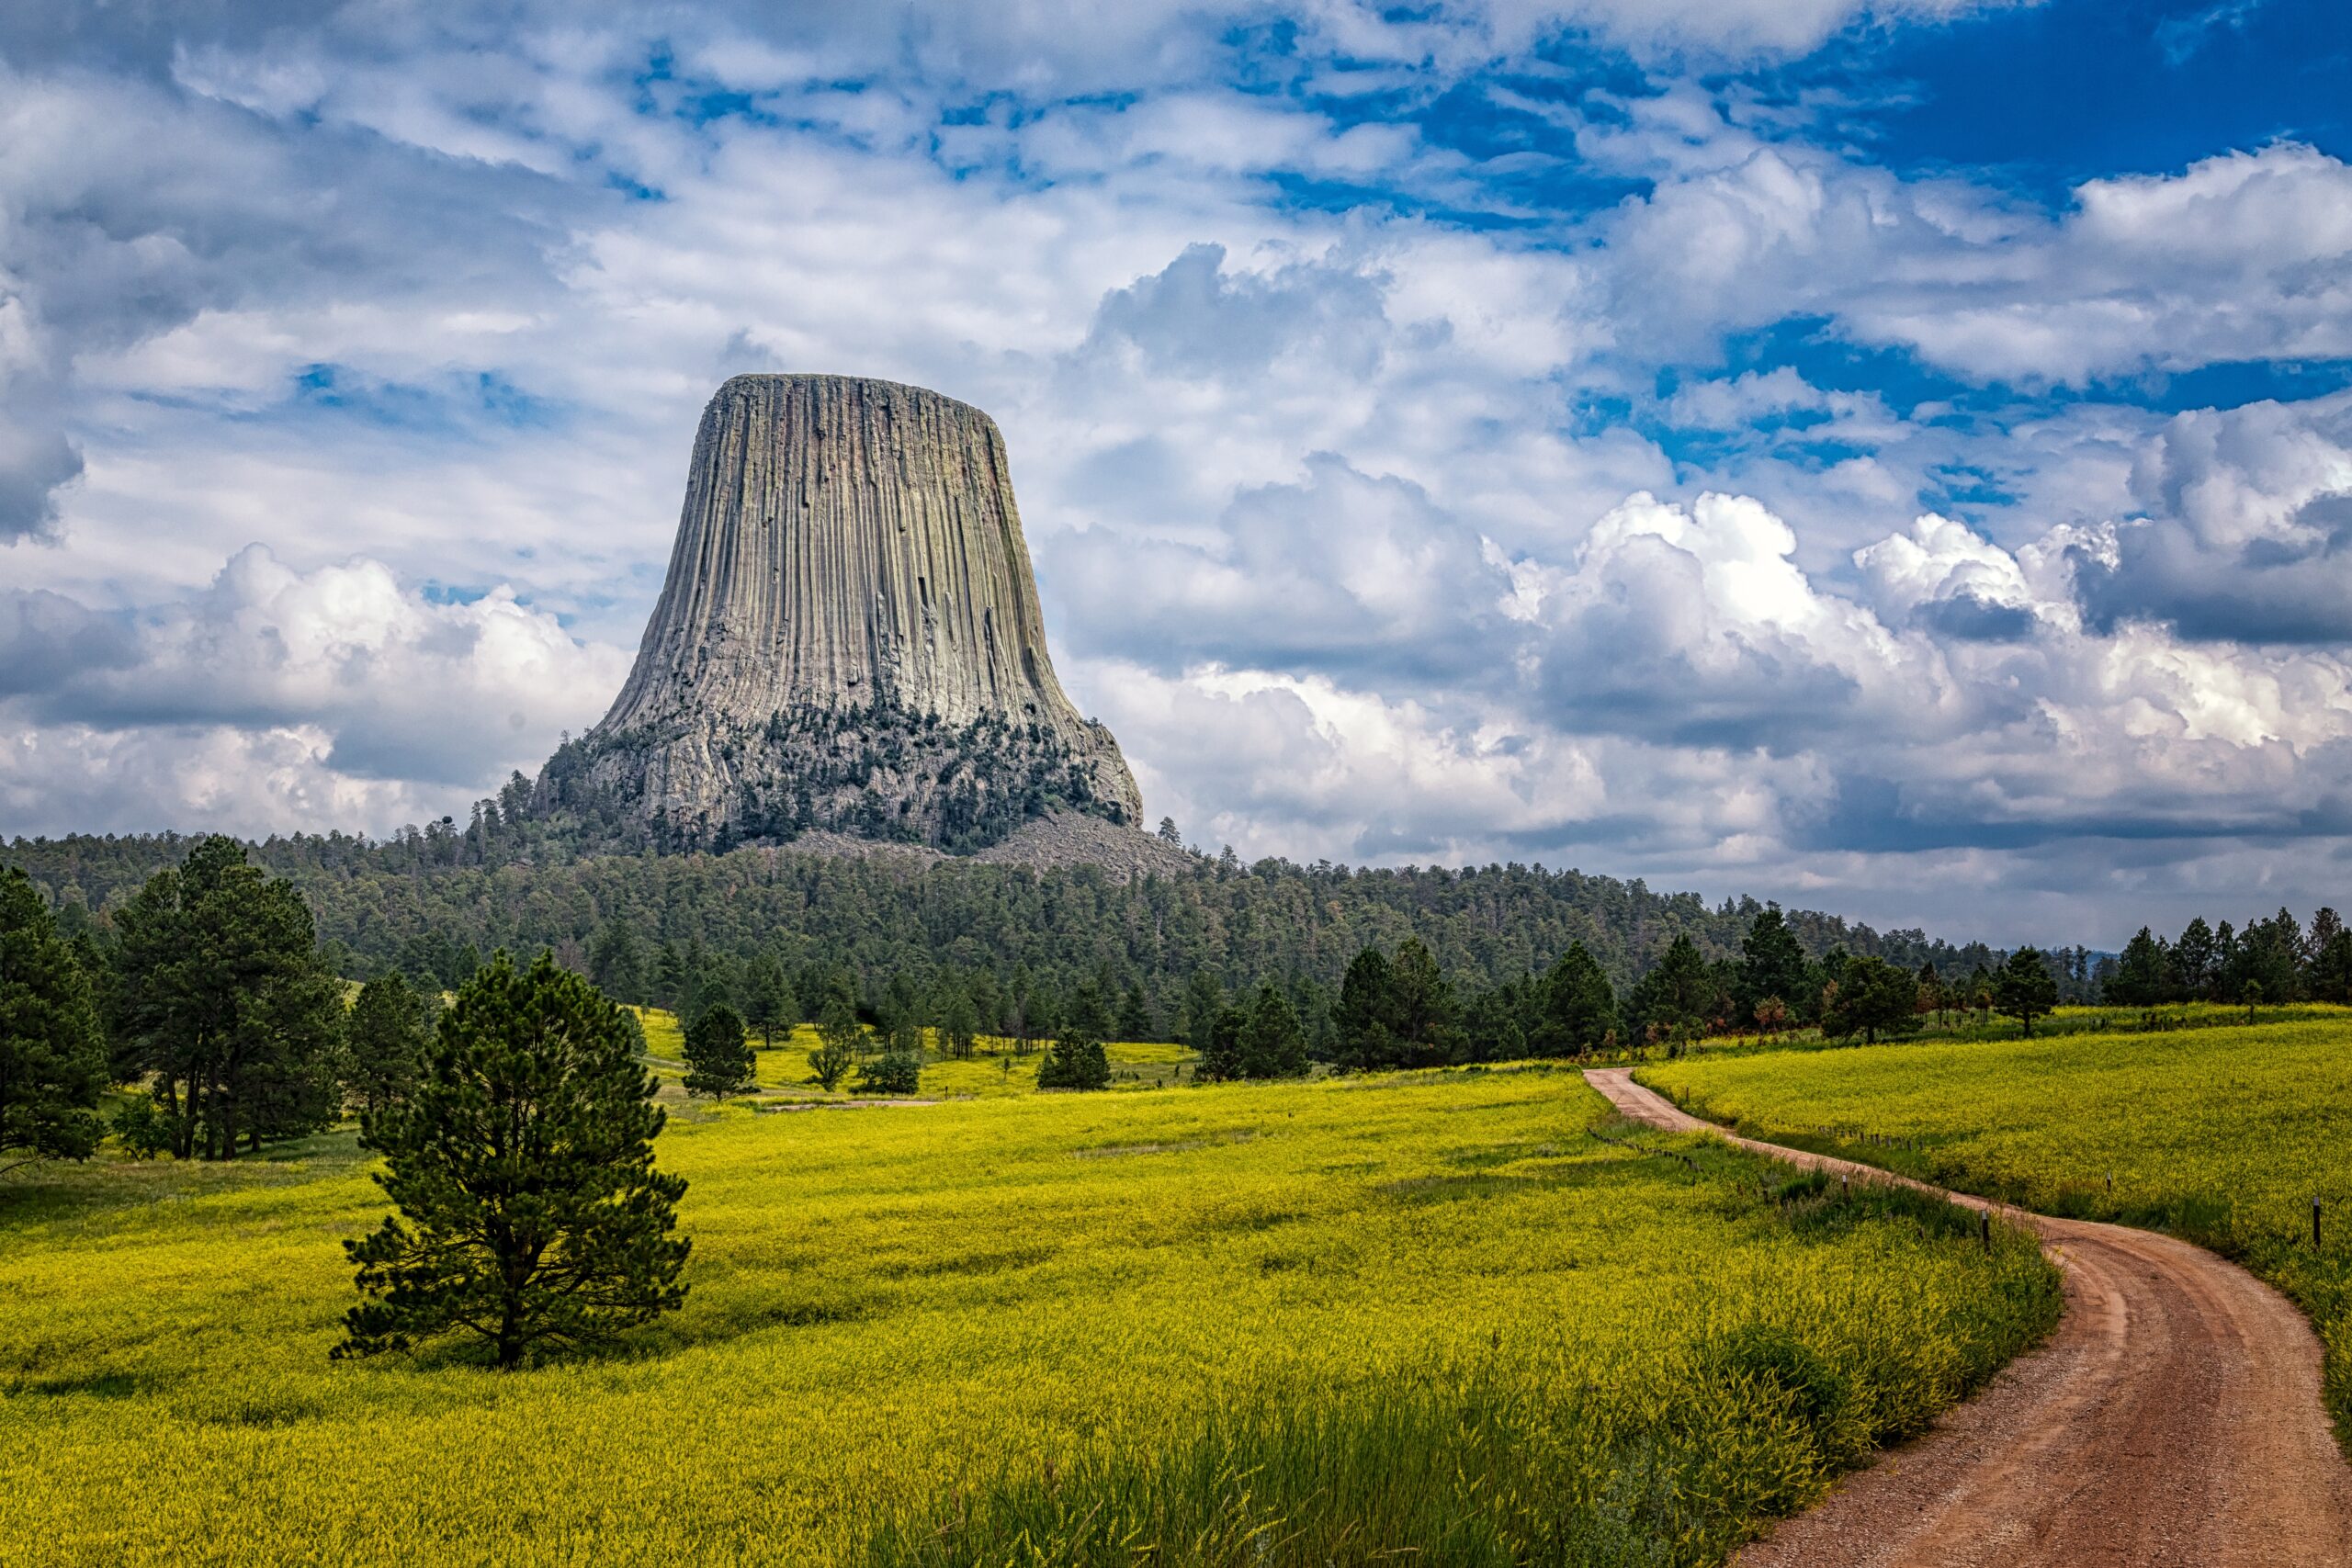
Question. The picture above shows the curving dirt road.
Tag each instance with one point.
(2174, 1419)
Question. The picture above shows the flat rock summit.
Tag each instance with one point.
(848, 645)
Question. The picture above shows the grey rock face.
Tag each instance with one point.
(849, 640)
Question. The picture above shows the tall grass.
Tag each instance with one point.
(2221, 1135)
(1291, 1323)
(1668, 1449)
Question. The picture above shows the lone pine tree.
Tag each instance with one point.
(718, 1054)
(2024, 989)
(522, 1168)
(1273, 1042)
(1876, 999)
(1077, 1060)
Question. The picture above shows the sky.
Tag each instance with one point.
(1885, 455)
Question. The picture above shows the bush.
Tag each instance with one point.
(1075, 1063)
(144, 1129)
(897, 1073)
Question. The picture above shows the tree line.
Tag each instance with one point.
(1394, 1008)
(213, 983)
(662, 930)
(1403, 1010)
(2273, 960)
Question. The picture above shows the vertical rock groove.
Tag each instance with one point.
(849, 637)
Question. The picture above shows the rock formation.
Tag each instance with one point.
(848, 641)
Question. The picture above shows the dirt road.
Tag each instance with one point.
(2174, 1419)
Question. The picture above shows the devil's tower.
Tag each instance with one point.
(849, 640)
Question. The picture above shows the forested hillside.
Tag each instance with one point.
(432, 903)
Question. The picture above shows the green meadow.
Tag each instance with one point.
(2222, 1134)
(1458, 1314)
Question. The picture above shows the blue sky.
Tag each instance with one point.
(1895, 457)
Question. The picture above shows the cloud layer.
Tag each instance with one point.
(1534, 431)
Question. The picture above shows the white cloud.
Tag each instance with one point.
(339, 687)
(1340, 518)
(2249, 474)
(1939, 561)
(2246, 255)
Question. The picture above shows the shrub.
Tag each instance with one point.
(895, 1072)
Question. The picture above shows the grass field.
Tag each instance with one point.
(1307, 1323)
(1974, 1028)
(996, 1069)
(2223, 1136)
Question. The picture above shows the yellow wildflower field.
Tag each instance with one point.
(997, 1067)
(2223, 1135)
(1463, 1314)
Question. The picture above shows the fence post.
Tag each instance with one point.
(1984, 1229)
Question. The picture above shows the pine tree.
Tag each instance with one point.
(2194, 961)
(1574, 1008)
(389, 1029)
(1423, 1014)
(1203, 999)
(1040, 1015)
(221, 995)
(529, 1210)
(718, 1054)
(1272, 1043)
(1135, 1016)
(2326, 926)
(1675, 1001)
(1875, 999)
(2142, 972)
(1365, 1018)
(2025, 989)
(988, 1002)
(1220, 1048)
(1494, 1024)
(959, 1025)
(1077, 1059)
(768, 1002)
(2331, 973)
(53, 1052)
(1771, 963)
(902, 1027)
(617, 961)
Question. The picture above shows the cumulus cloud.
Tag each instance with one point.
(2241, 256)
(339, 685)
(35, 464)
(1388, 503)
(1945, 576)
(2245, 527)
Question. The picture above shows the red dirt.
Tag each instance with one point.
(2174, 1419)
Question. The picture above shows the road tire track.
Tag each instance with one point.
(2173, 1419)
